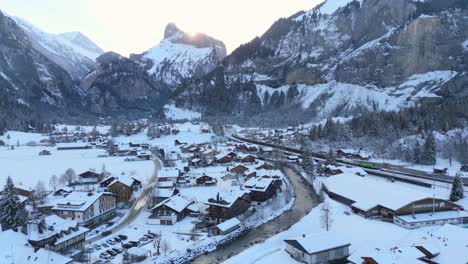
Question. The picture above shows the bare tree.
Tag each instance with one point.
(53, 182)
(40, 192)
(157, 244)
(326, 216)
(68, 177)
(165, 246)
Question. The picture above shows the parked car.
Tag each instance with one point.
(127, 245)
(117, 239)
(97, 246)
(150, 235)
(106, 233)
(123, 237)
(105, 245)
(104, 255)
(111, 252)
(118, 250)
(143, 239)
(135, 243)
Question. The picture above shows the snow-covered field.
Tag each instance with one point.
(26, 167)
(174, 113)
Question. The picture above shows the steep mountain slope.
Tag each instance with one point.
(31, 85)
(366, 56)
(120, 86)
(72, 51)
(181, 56)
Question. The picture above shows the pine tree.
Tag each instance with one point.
(308, 164)
(457, 189)
(429, 151)
(331, 157)
(11, 213)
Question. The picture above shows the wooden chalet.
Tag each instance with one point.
(171, 210)
(262, 190)
(205, 180)
(247, 159)
(239, 170)
(224, 208)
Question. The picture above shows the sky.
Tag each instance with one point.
(133, 26)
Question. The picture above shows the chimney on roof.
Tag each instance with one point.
(303, 235)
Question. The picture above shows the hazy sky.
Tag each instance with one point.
(133, 26)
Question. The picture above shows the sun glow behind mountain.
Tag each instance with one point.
(134, 26)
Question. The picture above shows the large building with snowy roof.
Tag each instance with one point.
(86, 208)
(376, 198)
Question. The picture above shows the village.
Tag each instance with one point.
(178, 191)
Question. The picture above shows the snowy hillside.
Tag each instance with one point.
(340, 98)
(72, 51)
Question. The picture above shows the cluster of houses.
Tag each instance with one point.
(67, 214)
(253, 183)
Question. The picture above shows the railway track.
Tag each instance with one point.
(391, 172)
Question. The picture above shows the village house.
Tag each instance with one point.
(205, 180)
(122, 187)
(86, 208)
(223, 158)
(318, 249)
(246, 158)
(262, 190)
(56, 234)
(171, 210)
(169, 175)
(86, 181)
(227, 206)
(160, 194)
(239, 170)
(18, 250)
(227, 226)
(73, 146)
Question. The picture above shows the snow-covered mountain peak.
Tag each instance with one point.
(73, 51)
(82, 41)
(170, 30)
(181, 55)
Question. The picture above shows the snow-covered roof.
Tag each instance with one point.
(228, 224)
(268, 173)
(77, 201)
(315, 243)
(168, 173)
(17, 250)
(163, 192)
(72, 145)
(367, 192)
(54, 225)
(229, 197)
(450, 241)
(433, 217)
(176, 203)
(258, 184)
(125, 179)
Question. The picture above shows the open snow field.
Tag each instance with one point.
(26, 167)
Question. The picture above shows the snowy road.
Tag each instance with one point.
(305, 200)
(139, 204)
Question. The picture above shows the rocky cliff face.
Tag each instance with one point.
(72, 51)
(31, 85)
(364, 56)
(120, 86)
(180, 56)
